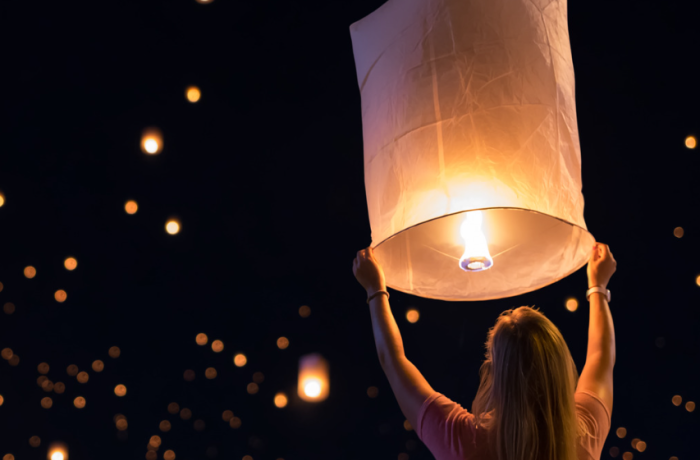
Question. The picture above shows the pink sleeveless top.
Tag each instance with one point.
(449, 431)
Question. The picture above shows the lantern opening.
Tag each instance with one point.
(312, 388)
(476, 255)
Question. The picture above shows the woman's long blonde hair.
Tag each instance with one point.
(526, 396)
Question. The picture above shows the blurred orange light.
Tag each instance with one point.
(35, 441)
(114, 352)
(72, 370)
(641, 446)
(70, 263)
(188, 375)
(313, 384)
(98, 365)
(164, 426)
(185, 414)
(210, 373)
(46, 402)
(120, 390)
(2, 199)
(217, 346)
(627, 456)
(2, 400)
(697, 280)
(193, 94)
(280, 400)
(60, 296)
(614, 451)
(131, 207)
(372, 392)
(235, 422)
(677, 400)
(412, 315)
(690, 142)
(79, 402)
(240, 360)
(572, 304)
(152, 141)
(59, 388)
(282, 343)
(6, 353)
(634, 442)
(199, 425)
(29, 272)
(252, 388)
(304, 311)
(690, 406)
(247, 457)
(83, 377)
(13, 361)
(173, 408)
(201, 339)
(151, 455)
(227, 415)
(172, 227)
(155, 441)
(8, 308)
(122, 424)
(8, 457)
(203, 2)
(678, 232)
(621, 432)
(258, 377)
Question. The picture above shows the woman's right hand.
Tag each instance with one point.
(601, 266)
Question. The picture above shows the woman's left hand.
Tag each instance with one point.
(368, 271)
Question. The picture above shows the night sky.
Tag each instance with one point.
(265, 175)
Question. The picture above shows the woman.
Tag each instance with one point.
(531, 404)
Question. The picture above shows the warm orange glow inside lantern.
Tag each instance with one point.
(152, 141)
(313, 378)
(57, 451)
(471, 148)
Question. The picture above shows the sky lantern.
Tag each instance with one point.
(471, 149)
(152, 141)
(57, 451)
(313, 378)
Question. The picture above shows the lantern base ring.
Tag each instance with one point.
(475, 264)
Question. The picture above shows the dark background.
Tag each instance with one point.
(266, 175)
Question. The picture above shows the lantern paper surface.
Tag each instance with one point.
(313, 383)
(468, 108)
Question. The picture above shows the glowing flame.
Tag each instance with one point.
(312, 388)
(476, 255)
(58, 451)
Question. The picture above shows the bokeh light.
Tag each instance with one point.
(245, 457)
(29, 272)
(304, 311)
(2, 400)
(372, 392)
(235, 422)
(193, 94)
(6, 353)
(70, 263)
(8, 457)
(621, 432)
(641, 446)
(258, 377)
(210, 373)
(46, 402)
(697, 280)
(14, 361)
(634, 443)
(677, 400)
(614, 452)
(8, 308)
(199, 425)
(131, 207)
(155, 441)
(412, 315)
(690, 406)
(114, 352)
(572, 304)
(188, 375)
(185, 414)
(35, 441)
(252, 388)
(627, 456)
(122, 424)
(98, 365)
(151, 455)
(691, 142)
(227, 415)
(217, 346)
(59, 388)
(240, 360)
(280, 400)
(79, 402)
(83, 377)
(164, 426)
(282, 343)
(152, 141)
(120, 390)
(60, 296)
(2, 199)
(72, 370)
(407, 425)
(173, 408)
(312, 388)
(172, 227)
(678, 232)
(201, 339)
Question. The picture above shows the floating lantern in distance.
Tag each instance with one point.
(98, 365)
(59, 387)
(217, 346)
(412, 315)
(678, 232)
(240, 360)
(201, 339)
(79, 402)
(60, 296)
(83, 377)
(690, 142)
(2, 199)
(164, 426)
(35, 441)
(29, 272)
(485, 177)
(210, 373)
(8, 308)
(304, 311)
(571, 304)
(114, 352)
(2, 400)
(621, 432)
(46, 402)
(152, 141)
(58, 451)
(131, 207)
(193, 94)
(641, 446)
(280, 400)
(172, 226)
(70, 263)
(282, 343)
(313, 383)
(677, 400)
(697, 280)
(690, 406)
(120, 390)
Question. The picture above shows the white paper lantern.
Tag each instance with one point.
(471, 139)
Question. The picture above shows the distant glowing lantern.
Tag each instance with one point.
(60, 296)
(2, 199)
(70, 263)
(472, 156)
(412, 315)
(57, 451)
(193, 94)
(280, 400)
(240, 360)
(120, 390)
(690, 142)
(201, 339)
(313, 378)
(29, 272)
(217, 346)
(572, 304)
(152, 141)
(172, 227)
(131, 207)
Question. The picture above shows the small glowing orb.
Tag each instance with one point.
(8, 308)
(240, 360)
(217, 346)
(2, 400)
(193, 94)
(60, 296)
(185, 414)
(641, 446)
(312, 388)
(79, 402)
(14, 360)
(204, 2)
(627, 456)
(372, 392)
(697, 280)
(210, 373)
(304, 311)
(258, 377)
(621, 432)
(131, 207)
(188, 375)
(6, 353)
(155, 441)
(43, 368)
(151, 141)
(122, 424)
(59, 387)
(253, 388)
(572, 304)
(120, 390)
(690, 406)
(614, 451)
(83, 377)
(72, 370)
(690, 142)
(2, 199)
(57, 456)
(164, 426)
(412, 315)
(114, 352)
(35, 441)
(98, 365)
(282, 343)
(227, 415)
(169, 455)
(201, 339)
(29, 272)
(235, 423)
(172, 227)
(677, 400)
(280, 400)
(678, 232)
(70, 263)
(173, 408)
(46, 403)
(407, 425)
